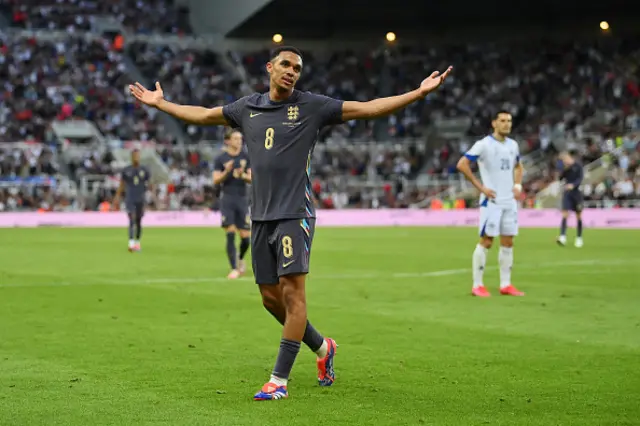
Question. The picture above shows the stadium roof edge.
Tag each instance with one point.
(216, 17)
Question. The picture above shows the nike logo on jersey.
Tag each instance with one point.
(284, 265)
(253, 114)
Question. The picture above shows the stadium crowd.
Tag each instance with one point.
(339, 176)
(621, 185)
(554, 91)
(28, 179)
(188, 76)
(80, 15)
(559, 85)
(342, 177)
(45, 81)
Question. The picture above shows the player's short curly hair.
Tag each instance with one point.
(278, 50)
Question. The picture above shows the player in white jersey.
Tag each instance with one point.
(501, 172)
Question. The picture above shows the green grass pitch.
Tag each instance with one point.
(93, 335)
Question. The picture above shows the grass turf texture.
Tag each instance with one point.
(92, 334)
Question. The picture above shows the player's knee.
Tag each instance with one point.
(244, 233)
(506, 242)
(271, 303)
(486, 242)
(293, 295)
(565, 214)
(271, 298)
(295, 304)
(230, 228)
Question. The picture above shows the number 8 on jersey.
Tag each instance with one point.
(268, 138)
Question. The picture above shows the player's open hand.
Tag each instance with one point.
(434, 81)
(489, 193)
(147, 97)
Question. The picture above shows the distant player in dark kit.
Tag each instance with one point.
(232, 173)
(280, 129)
(572, 174)
(133, 181)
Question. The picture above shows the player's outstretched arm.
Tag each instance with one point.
(188, 113)
(352, 110)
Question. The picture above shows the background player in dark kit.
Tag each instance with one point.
(232, 173)
(133, 181)
(572, 201)
(280, 129)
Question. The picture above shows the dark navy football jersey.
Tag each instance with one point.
(573, 175)
(135, 181)
(233, 185)
(280, 137)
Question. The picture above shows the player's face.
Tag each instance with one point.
(285, 70)
(135, 157)
(502, 124)
(235, 140)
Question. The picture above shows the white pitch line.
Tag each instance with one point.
(392, 275)
(516, 266)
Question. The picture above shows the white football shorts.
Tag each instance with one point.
(498, 220)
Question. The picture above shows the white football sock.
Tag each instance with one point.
(505, 259)
(278, 381)
(322, 352)
(131, 243)
(478, 262)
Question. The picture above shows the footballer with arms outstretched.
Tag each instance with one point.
(280, 128)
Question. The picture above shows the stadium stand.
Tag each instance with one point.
(556, 82)
(30, 179)
(81, 15)
(580, 95)
(57, 80)
(191, 76)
